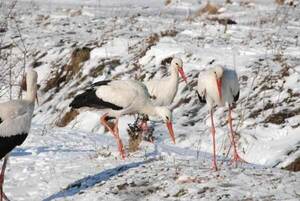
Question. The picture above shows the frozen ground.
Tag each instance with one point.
(84, 167)
(133, 39)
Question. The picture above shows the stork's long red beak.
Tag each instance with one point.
(219, 84)
(182, 74)
(171, 132)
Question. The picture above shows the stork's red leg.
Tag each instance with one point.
(103, 121)
(213, 133)
(119, 141)
(2, 195)
(236, 156)
(115, 133)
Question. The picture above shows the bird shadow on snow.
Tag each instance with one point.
(20, 152)
(90, 181)
(43, 149)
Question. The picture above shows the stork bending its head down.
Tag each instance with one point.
(121, 97)
(216, 87)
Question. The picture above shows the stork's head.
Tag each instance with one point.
(218, 73)
(166, 116)
(178, 64)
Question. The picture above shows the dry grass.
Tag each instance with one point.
(279, 2)
(78, 56)
(280, 117)
(247, 3)
(152, 39)
(223, 21)
(294, 166)
(167, 2)
(209, 8)
(67, 118)
(135, 138)
(66, 72)
(134, 143)
(170, 32)
(56, 80)
(112, 64)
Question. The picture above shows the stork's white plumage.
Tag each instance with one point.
(219, 86)
(121, 97)
(163, 91)
(15, 122)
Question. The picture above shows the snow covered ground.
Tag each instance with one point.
(133, 39)
(86, 166)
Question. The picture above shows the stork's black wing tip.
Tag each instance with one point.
(201, 99)
(101, 83)
(82, 100)
(90, 99)
(236, 97)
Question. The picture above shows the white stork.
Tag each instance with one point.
(163, 91)
(15, 122)
(216, 87)
(121, 97)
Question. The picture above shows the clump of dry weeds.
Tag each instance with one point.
(67, 118)
(209, 8)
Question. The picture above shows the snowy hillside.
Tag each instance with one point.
(74, 43)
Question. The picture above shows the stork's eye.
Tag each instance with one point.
(176, 64)
(167, 118)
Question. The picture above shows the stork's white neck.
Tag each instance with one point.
(30, 95)
(173, 71)
(174, 77)
(31, 89)
(149, 109)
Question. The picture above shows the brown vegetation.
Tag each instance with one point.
(55, 81)
(78, 56)
(294, 166)
(280, 117)
(95, 72)
(280, 2)
(169, 32)
(167, 2)
(66, 72)
(209, 8)
(67, 118)
(135, 137)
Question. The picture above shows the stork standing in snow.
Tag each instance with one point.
(121, 97)
(216, 87)
(15, 121)
(163, 91)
